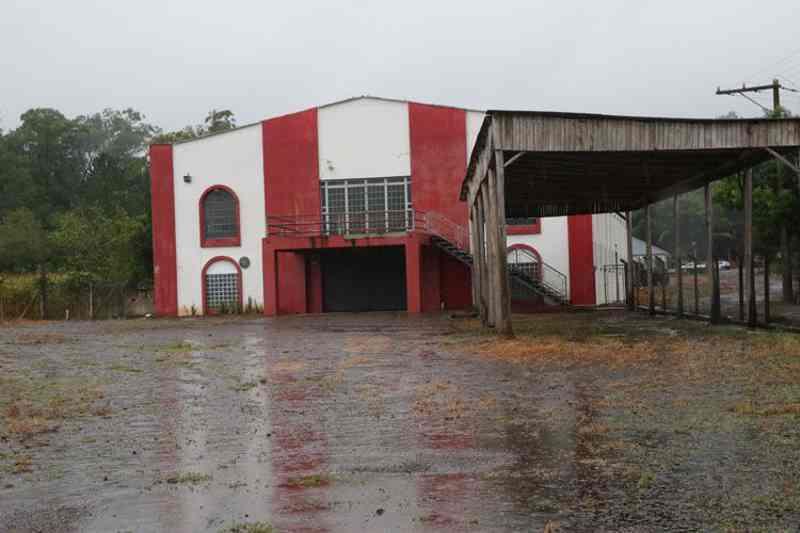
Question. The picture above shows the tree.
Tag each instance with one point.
(23, 241)
(222, 120)
(113, 144)
(46, 143)
(95, 246)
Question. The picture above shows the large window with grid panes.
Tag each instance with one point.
(366, 205)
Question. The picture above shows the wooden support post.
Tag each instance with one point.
(650, 287)
(740, 266)
(473, 248)
(629, 272)
(711, 270)
(748, 248)
(488, 259)
(766, 289)
(696, 288)
(676, 252)
(503, 292)
(480, 259)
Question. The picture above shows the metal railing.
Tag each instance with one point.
(368, 223)
(527, 265)
(436, 224)
(351, 223)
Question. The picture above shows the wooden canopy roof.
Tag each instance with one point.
(566, 163)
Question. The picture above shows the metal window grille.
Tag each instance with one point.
(220, 215)
(371, 205)
(222, 291)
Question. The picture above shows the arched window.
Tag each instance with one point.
(222, 286)
(525, 259)
(219, 217)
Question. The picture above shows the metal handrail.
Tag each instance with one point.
(441, 226)
(524, 263)
(351, 223)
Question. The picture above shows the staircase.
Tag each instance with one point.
(524, 269)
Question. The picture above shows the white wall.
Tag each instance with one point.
(233, 159)
(609, 246)
(474, 122)
(364, 138)
(552, 243)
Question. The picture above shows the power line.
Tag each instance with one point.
(776, 63)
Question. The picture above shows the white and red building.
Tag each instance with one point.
(349, 206)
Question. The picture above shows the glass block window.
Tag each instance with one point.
(366, 206)
(222, 292)
(219, 215)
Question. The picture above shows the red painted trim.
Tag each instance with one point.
(224, 241)
(529, 248)
(413, 256)
(438, 141)
(291, 164)
(165, 263)
(528, 229)
(270, 262)
(581, 260)
(217, 259)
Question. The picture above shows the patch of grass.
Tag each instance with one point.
(646, 480)
(34, 406)
(749, 408)
(41, 338)
(179, 347)
(15, 463)
(124, 368)
(311, 481)
(245, 386)
(249, 527)
(188, 478)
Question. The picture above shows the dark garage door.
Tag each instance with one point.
(364, 279)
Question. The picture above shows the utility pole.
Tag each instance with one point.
(777, 112)
(775, 87)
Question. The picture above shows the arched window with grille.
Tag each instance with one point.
(219, 217)
(222, 286)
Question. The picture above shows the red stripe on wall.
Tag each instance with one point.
(165, 267)
(581, 260)
(291, 164)
(438, 139)
(291, 187)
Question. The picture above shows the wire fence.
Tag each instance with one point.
(686, 281)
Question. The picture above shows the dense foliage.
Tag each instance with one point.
(74, 194)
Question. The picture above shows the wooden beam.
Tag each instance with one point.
(629, 272)
(711, 270)
(676, 252)
(783, 160)
(766, 289)
(473, 248)
(498, 227)
(748, 248)
(513, 158)
(490, 250)
(651, 293)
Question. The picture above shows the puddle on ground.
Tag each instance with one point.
(330, 423)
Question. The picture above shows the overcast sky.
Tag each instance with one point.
(175, 60)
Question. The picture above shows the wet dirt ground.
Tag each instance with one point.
(385, 422)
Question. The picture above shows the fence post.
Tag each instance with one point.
(766, 289)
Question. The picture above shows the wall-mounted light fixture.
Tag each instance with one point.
(187, 178)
